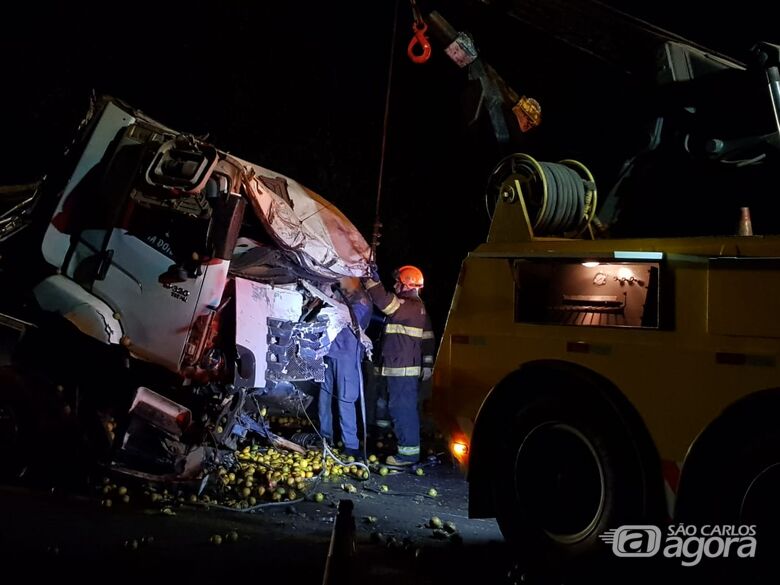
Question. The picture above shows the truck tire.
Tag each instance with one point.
(732, 478)
(566, 469)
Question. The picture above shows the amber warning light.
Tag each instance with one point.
(460, 449)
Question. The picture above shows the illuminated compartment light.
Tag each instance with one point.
(624, 255)
(591, 264)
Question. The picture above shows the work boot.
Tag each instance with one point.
(356, 453)
(393, 460)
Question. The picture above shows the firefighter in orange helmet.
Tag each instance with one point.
(406, 355)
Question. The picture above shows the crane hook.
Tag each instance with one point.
(422, 53)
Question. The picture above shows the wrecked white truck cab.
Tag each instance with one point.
(199, 275)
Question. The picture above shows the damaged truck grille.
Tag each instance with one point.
(296, 350)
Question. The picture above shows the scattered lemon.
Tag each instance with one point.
(383, 470)
(420, 471)
(215, 539)
(383, 488)
(319, 497)
(433, 493)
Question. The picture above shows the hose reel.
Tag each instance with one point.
(559, 198)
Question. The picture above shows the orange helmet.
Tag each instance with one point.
(410, 276)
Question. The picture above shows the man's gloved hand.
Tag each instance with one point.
(373, 272)
(427, 373)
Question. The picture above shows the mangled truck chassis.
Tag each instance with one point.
(167, 296)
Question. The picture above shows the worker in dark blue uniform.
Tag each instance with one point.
(407, 355)
(343, 373)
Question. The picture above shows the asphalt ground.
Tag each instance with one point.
(50, 532)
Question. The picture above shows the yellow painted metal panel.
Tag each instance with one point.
(744, 298)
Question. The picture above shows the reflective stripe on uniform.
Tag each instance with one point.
(405, 330)
(392, 307)
(371, 284)
(407, 371)
(409, 451)
(427, 335)
(427, 359)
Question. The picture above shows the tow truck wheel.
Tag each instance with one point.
(568, 471)
(731, 478)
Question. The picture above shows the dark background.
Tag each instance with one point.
(299, 87)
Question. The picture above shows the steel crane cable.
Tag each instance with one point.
(377, 223)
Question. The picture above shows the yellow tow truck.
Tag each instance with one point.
(601, 392)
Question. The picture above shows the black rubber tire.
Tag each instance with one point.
(733, 478)
(578, 439)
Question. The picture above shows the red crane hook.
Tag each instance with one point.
(422, 53)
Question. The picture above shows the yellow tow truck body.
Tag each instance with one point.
(589, 384)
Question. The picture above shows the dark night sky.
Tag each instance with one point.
(299, 87)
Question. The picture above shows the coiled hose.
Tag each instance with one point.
(560, 197)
